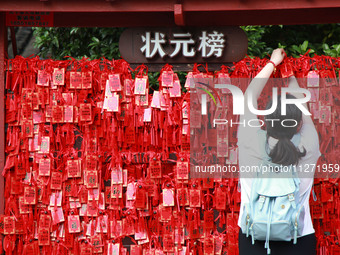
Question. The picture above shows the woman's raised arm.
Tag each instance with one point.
(260, 80)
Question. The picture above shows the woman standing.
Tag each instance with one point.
(288, 146)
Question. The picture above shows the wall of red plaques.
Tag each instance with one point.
(97, 160)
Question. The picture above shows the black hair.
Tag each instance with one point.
(284, 152)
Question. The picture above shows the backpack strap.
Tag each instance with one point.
(261, 201)
(292, 200)
(266, 244)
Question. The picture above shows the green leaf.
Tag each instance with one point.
(55, 42)
(325, 46)
(304, 46)
(95, 39)
(337, 47)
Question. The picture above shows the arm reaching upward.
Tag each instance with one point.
(260, 80)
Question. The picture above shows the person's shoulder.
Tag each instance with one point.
(309, 138)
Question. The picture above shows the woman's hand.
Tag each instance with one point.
(256, 86)
(277, 56)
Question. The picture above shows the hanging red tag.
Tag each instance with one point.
(183, 196)
(19, 226)
(9, 225)
(313, 79)
(57, 114)
(168, 243)
(317, 211)
(233, 157)
(86, 249)
(209, 219)
(91, 162)
(86, 80)
(220, 199)
(140, 198)
(85, 112)
(155, 168)
(195, 198)
(182, 170)
(97, 244)
(112, 103)
(92, 209)
(73, 224)
(75, 80)
(45, 145)
(326, 97)
(325, 114)
(328, 77)
(286, 70)
(167, 78)
(156, 100)
(68, 113)
(140, 86)
(314, 95)
(28, 128)
(43, 78)
(23, 208)
(208, 248)
(135, 250)
(91, 179)
(130, 135)
(44, 221)
(44, 167)
(27, 111)
(73, 168)
(56, 180)
(326, 192)
(44, 237)
(147, 115)
(114, 82)
(58, 76)
(113, 249)
(128, 84)
(30, 195)
(168, 197)
(35, 103)
(175, 91)
(222, 141)
(116, 191)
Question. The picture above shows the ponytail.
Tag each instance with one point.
(285, 153)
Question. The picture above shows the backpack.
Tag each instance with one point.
(274, 211)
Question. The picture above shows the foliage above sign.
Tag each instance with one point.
(183, 45)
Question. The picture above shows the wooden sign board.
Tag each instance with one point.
(29, 19)
(182, 46)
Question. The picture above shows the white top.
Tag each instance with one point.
(250, 139)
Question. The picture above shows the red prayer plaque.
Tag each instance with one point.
(30, 195)
(56, 181)
(91, 179)
(114, 82)
(9, 225)
(86, 80)
(43, 78)
(73, 224)
(58, 76)
(195, 198)
(75, 80)
(85, 112)
(44, 237)
(44, 167)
